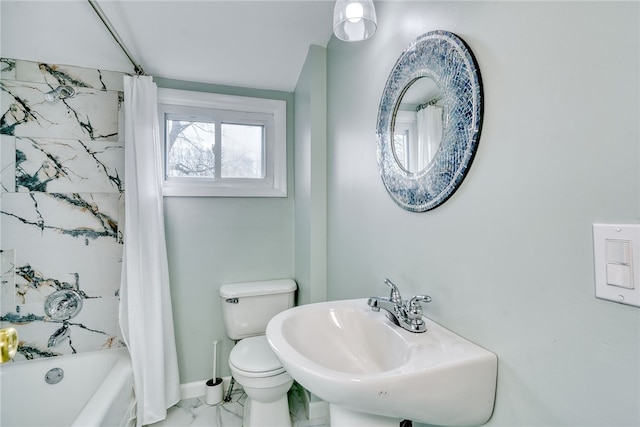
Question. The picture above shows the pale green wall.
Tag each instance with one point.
(508, 259)
(310, 101)
(217, 240)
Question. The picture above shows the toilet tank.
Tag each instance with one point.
(247, 307)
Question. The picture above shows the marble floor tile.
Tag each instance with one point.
(194, 412)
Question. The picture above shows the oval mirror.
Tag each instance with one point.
(417, 125)
(423, 162)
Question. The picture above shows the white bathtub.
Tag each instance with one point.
(96, 390)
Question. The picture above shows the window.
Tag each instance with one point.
(404, 137)
(222, 145)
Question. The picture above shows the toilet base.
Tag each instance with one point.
(274, 414)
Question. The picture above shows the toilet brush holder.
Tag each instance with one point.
(214, 391)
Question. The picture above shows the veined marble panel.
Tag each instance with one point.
(94, 271)
(7, 163)
(95, 328)
(7, 69)
(65, 165)
(121, 217)
(67, 75)
(31, 220)
(7, 285)
(61, 169)
(89, 115)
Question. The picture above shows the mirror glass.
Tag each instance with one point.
(418, 124)
(429, 121)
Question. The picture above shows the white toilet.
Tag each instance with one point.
(246, 310)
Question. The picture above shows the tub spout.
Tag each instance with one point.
(59, 335)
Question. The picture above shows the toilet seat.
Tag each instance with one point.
(253, 357)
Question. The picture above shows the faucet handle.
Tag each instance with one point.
(417, 298)
(414, 308)
(394, 296)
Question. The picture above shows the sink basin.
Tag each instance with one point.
(358, 360)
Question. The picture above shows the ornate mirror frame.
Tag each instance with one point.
(446, 59)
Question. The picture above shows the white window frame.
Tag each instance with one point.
(406, 122)
(270, 112)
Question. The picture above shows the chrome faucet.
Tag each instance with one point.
(406, 314)
(59, 335)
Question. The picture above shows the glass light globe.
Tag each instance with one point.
(354, 20)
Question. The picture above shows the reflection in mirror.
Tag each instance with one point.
(418, 124)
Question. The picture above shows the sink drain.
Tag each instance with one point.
(54, 376)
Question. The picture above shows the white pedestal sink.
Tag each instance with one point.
(373, 372)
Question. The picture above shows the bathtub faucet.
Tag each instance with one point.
(59, 335)
(406, 314)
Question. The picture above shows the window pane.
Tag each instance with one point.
(190, 148)
(401, 142)
(242, 151)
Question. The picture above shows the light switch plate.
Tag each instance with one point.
(617, 245)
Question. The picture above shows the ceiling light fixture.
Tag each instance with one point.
(354, 20)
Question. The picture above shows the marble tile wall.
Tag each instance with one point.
(61, 200)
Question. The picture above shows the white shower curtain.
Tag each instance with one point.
(429, 134)
(146, 319)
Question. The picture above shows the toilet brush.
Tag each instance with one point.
(213, 394)
(215, 360)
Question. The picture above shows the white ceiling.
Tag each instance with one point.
(257, 44)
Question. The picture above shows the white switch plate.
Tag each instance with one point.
(606, 238)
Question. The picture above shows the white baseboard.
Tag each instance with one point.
(191, 390)
(197, 388)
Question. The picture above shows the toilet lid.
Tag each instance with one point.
(254, 355)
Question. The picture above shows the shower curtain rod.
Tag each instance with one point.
(136, 67)
(433, 101)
